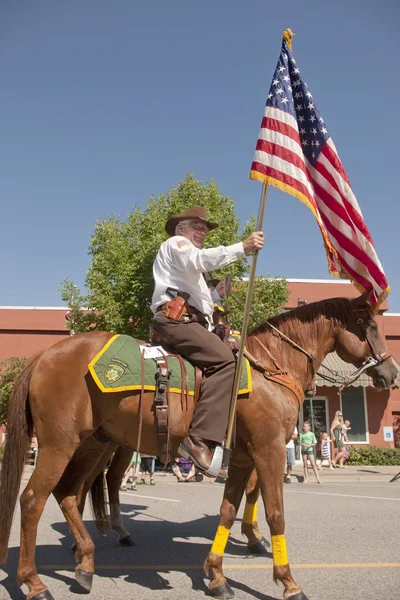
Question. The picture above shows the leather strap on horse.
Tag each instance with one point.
(278, 376)
(268, 353)
(161, 407)
(139, 438)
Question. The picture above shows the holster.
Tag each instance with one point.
(174, 309)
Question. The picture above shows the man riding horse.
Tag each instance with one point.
(183, 306)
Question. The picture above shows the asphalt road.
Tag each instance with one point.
(343, 543)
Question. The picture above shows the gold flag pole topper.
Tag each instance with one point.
(287, 36)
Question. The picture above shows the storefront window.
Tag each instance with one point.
(315, 412)
(353, 409)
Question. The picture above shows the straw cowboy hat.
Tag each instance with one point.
(195, 212)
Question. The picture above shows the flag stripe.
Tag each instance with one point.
(331, 211)
(286, 178)
(347, 193)
(338, 215)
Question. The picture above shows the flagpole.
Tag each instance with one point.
(243, 334)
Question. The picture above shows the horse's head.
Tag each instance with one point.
(361, 340)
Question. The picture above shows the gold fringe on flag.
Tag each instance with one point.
(287, 36)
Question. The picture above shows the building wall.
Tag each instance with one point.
(24, 331)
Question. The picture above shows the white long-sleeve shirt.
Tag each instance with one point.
(180, 265)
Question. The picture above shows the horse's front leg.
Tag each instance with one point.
(256, 542)
(240, 468)
(270, 465)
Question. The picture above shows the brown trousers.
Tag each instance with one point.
(205, 350)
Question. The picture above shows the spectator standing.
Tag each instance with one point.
(290, 456)
(346, 428)
(307, 442)
(337, 436)
(132, 473)
(147, 465)
(325, 450)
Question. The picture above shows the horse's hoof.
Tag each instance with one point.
(84, 578)
(222, 592)
(126, 541)
(299, 596)
(261, 547)
(43, 596)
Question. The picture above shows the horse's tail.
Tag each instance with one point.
(98, 502)
(19, 433)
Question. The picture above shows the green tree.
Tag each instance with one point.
(10, 368)
(269, 295)
(119, 281)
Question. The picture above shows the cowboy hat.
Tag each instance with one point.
(195, 212)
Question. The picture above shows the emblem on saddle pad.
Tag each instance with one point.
(114, 370)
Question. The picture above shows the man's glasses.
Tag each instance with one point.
(199, 227)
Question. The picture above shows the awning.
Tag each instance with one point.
(334, 362)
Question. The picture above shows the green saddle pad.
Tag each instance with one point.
(117, 367)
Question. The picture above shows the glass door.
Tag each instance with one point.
(315, 411)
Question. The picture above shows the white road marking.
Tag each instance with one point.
(344, 495)
(149, 497)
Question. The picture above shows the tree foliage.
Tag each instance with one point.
(119, 281)
(269, 295)
(10, 368)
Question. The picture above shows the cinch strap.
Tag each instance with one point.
(279, 551)
(220, 540)
(250, 513)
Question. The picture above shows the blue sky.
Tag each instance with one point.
(103, 103)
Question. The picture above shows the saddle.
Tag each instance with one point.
(125, 364)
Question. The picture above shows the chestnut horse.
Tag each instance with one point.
(56, 394)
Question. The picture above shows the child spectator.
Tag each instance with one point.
(345, 428)
(325, 450)
(307, 442)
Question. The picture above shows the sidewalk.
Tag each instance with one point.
(351, 474)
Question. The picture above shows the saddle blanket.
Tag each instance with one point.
(117, 367)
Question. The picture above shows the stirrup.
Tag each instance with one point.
(216, 462)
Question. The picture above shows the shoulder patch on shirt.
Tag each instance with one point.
(182, 243)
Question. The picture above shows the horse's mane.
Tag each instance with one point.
(302, 323)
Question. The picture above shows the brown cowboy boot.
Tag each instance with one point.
(197, 450)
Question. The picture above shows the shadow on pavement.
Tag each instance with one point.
(155, 540)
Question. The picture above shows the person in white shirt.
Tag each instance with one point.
(183, 306)
(290, 455)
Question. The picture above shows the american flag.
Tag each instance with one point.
(296, 154)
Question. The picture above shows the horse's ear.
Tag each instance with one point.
(363, 299)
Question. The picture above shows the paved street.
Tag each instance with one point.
(343, 542)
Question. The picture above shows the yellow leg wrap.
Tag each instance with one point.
(220, 540)
(279, 551)
(250, 513)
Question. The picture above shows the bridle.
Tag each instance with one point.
(375, 359)
(379, 357)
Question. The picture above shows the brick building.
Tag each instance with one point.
(27, 330)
